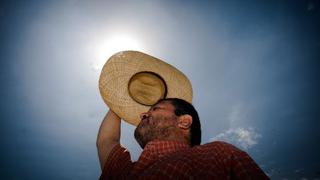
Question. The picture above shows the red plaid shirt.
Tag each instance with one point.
(176, 160)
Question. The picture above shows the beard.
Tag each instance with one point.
(153, 128)
(142, 136)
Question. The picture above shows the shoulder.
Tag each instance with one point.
(218, 149)
(219, 145)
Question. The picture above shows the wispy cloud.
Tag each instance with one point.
(241, 137)
(299, 170)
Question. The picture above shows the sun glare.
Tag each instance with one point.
(104, 49)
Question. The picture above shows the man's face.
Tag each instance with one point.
(156, 123)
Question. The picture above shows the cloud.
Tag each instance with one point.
(241, 137)
(299, 170)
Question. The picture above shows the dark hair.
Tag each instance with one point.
(183, 107)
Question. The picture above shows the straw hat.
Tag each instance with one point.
(131, 82)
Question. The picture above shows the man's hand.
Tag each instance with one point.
(108, 136)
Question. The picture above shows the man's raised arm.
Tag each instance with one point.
(108, 136)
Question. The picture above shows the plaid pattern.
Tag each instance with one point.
(176, 160)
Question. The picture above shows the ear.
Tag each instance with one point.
(185, 121)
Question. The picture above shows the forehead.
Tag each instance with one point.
(163, 104)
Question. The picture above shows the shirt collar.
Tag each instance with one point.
(161, 148)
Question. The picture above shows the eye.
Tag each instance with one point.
(155, 108)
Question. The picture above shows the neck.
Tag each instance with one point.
(166, 134)
(171, 134)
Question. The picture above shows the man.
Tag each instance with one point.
(170, 136)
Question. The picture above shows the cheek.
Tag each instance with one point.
(164, 121)
(156, 121)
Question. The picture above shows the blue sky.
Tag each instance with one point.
(253, 66)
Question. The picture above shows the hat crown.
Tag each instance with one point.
(147, 88)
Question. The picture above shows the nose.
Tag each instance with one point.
(144, 115)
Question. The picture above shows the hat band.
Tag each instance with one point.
(147, 88)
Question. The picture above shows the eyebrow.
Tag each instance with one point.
(155, 106)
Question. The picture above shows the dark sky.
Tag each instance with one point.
(254, 66)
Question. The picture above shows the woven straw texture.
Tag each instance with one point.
(116, 74)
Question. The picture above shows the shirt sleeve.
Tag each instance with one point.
(118, 164)
(244, 167)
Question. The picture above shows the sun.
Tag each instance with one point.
(103, 49)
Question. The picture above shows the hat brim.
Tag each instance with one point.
(117, 72)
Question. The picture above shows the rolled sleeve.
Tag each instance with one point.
(118, 164)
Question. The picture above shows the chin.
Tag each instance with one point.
(141, 136)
